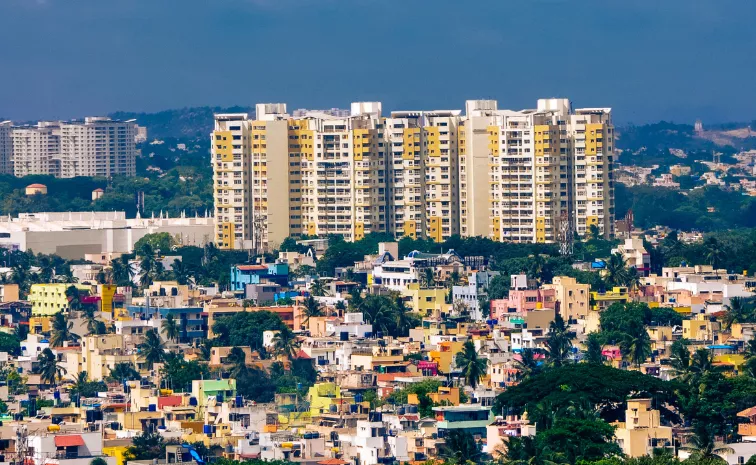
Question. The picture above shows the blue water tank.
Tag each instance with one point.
(152, 408)
(56, 394)
(207, 429)
(239, 401)
(193, 401)
(353, 408)
(358, 398)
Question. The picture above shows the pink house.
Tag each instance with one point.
(521, 301)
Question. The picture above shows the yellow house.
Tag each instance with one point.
(324, 395)
(116, 448)
(445, 395)
(574, 298)
(700, 328)
(604, 300)
(426, 301)
(98, 355)
(641, 432)
(39, 324)
(445, 354)
(49, 299)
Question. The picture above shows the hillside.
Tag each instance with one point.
(184, 123)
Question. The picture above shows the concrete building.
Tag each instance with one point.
(73, 235)
(574, 298)
(35, 147)
(641, 434)
(509, 175)
(98, 146)
(635, 255)
(6, 147)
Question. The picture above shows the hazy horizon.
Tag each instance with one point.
(674, 60)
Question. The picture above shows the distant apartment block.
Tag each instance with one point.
(97, 146)
(521, 176)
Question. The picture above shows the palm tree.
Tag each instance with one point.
(123, 371)
(377, 312)
(74, 297)
(702, 363)
(679, 358)
(403, 322)
(428, 278)
(92, 322)
(355, 299)
(527, 364)
(148, 265)
(81, 380)
(180, 271)
(206, 349)
(238, 360)
(616, 270)
(593, 352)
(738, 311)
(170, 328)
(472, 365)
(703, 445)
(715, 252)
(558, 342)
(637, 345)
(340, 307)
(311, 309)
(318, 288)
(454, 278)
(152, 349)
(594, 232)
(459, 448)
(49, 370)
(22, 276)
(285, 343)
(61, 330)
(46, 269)
(121, 272)
(525, 451)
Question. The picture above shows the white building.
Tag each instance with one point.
(35, 148)
(72, 235)
(78, 448)
(6, 147)
(99, 146)
(353, 324)
(635, 255)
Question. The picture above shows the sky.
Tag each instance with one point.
(647, 59)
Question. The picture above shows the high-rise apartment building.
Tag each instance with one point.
(6, 147)
(98, 146)
(36, 149)
(523, 176)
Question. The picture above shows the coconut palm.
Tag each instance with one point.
(636, 345)
(340, 307)
(170, 328)
(460, 448)
(311, 309)
(737, 311)
(74, 297)
(120, 271)
(285, 343)
(472, 365)
(616, 270)
(703, 445)
(702, 363)
(527, 364)
(93, 324)
(679, 358)
(61, 330)
(377, 312)
(593, 349)
(123, 371)
(49, 370)
(558, 342)
(206, 348)
(180, 271)
(525, 451)
(238, 361)
(318, 288)
(594, 232)
(428, 278)
(403, 322)
(152, 349)
(715, 252)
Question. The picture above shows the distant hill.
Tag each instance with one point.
(184, 123)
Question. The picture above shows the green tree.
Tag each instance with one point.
(179, 373)
(472, 365)
(61, 330)
(170, 328)
(181, 272)
(636, 345)
(10, 343)
(152, 348)
(593, 349)
(737, 311)
(162, 243)
(459, 448)
(703, 445)
(527, 364)
(238, 361)
(123, 371)
(246, 329)
(146, 446)
(558, 342)
(49, 370)
(318, 288)
(285, 343)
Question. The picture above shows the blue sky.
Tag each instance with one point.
(649, 60)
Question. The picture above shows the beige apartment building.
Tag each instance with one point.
(6, 147)
(521, 176)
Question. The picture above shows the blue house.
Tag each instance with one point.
(241, 275)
